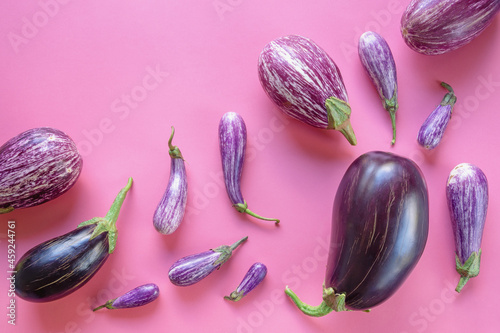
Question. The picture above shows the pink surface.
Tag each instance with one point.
(116, 75)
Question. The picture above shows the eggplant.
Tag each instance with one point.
(60, 266)
(256, 273)
(172, 206)
(36, 166)
(432, 130)
(467, 196)
(306, 84)
(194, 268)
(232, 141)
(380, 225)
(376, 57)
(433, 27)
(136, 297)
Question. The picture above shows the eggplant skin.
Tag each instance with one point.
(36, 166)
(60, 266)
(379, 228)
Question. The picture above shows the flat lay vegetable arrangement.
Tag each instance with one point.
(380, 220)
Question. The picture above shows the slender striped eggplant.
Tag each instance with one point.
(379, 230)
(434, 27)
(305, 83)
(252, 278)
(194, 268)
(36, 166)
(170, 211)
(467, 195)
(376, 57)
(62, 265)
(432, 130)
(136, 297)
(233, 141)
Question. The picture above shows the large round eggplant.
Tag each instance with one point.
(36, 166)
(379, 231)
(60, 266)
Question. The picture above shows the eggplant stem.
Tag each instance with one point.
(174, 151)
(449, 98)
(392, 113)
(238, 243)
(461, 283)
(338, 113)
(243, 208)
(469, 269)
(6, 210)
(108, 304)
(314, 311)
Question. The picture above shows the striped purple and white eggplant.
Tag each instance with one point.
(60, 266)
(252, 279)
(233, 141)
(170, 210)
(194, 268)
(136, 297)
(435, 27)
(306, 84)
(432, 130)
(467, 196)
(36, 166)
(376, 57)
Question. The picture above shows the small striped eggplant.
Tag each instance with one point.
(136, 297)
(432, 130)
(434, 27)
(376, 57)
(467, 196)
(194, 268)
(62, 265)
(305, 83)
(233, 141)
(380, 226)
(170, 211)
(37, 166)
(252, 278)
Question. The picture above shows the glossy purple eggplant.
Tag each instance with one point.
(62, 265)
(194, 268)
(434, 27)
(306, 84)
(467, 195)
(170, 211)
(376, 57)
(37, 166)
(252, 279)
(136, 297)
(432, 130)
(233, 141)
(379, 230)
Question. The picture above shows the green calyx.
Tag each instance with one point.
(339, 112)
(243, 208)
(108, 223)
(391, 105)
(234, 296)
(449, 98)
(226, 251)
(174, 151)
(467, 270)
(332, 301)
(6, 210)
(108, 305)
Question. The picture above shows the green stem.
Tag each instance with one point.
(392, 113)
(6, 210)
(227, 251)
(314, 311)
(174, 151)
(108, 304)
(391, 105)
(243, 208)
(339, 112)
(467, 270)
(449, 98)
(461, 283)
(238, 243)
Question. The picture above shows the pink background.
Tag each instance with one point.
(73, 64)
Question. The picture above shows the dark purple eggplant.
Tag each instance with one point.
(376, 57)
(194, 268)
(438, 26)
(379, 230)
(432, 130)
(467, 195)
(62, 265)
(252, 278)
(170, 211)
(136, 297)
(36, 166)
(305, 83)
(233, 141)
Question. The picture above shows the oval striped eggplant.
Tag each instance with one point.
(194, 268)
(305, 83)
(434, 27)
(170, 210)
(62, 265)
(36, 166)
(467, 196)
(233, 141)
(252, 278)
(376, 57)
(379, 230)
(136, 297)
(432, 130)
